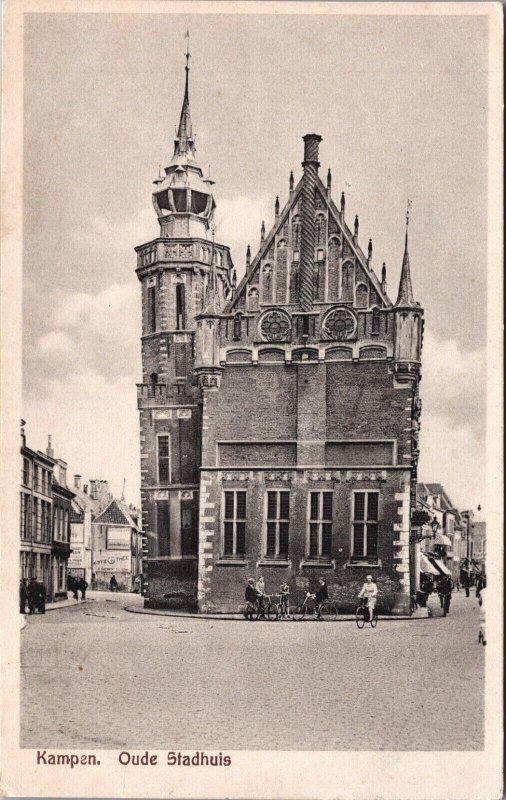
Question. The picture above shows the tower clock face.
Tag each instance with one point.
(340, 324)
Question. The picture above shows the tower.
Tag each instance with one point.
(174, 271)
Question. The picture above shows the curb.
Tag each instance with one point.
(162, 612)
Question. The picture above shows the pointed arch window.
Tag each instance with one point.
(253, 300)
(237, 327)
(362, 296)
(267, 284)
(296, 231)
(319, 229)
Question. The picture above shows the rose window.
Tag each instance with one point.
(275, 327)
(340, 324)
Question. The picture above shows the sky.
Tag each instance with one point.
(401, 104)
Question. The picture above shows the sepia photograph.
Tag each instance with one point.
(252, 323)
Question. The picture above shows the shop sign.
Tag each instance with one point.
(118, 538)
(109, 561)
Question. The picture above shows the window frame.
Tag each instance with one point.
(168, 457)
(365, 557)
(277, 521)
(235, 519)
(320, 521)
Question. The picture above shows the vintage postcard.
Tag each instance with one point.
(252, 400)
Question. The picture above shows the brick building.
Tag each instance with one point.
(279, 417)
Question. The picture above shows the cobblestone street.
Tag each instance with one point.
(96, 675)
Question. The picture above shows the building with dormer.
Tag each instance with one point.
(279, 416)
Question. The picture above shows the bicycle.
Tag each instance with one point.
(266, 605)
(325, 611)
(360, 615)
(283, 606)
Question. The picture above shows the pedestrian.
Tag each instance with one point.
(480, 584)
(260, 590)
(481, 601)
(83, 585)
(321, 594)
(250, 597)
(445, 593)
(465, 581)
(369, 591)
(284, 599)
(73, 584)
(22, 596)
(31, 595)
(40, 595)
(113, 584)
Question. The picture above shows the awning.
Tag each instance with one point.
(443, 540)
(426, 566)
(440, 566)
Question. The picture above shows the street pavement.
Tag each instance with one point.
(95, 675)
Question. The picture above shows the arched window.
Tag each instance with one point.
(253, 299)
(180, 315)
(267, 284)
(319, 229)
(361, 296)
(296, 231)
(375, 320)
(153, 378)
(281, 244)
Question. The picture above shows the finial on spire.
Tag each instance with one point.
(405, 296)
(276, 208)
(262, 232)
(384, 277)
(248, 256)
(329, 182)
(369, 250)
(291, 182)
(184, 136)
(356, 228)
(343, 203)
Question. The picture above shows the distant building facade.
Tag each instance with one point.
(279, 417)
(117, 547)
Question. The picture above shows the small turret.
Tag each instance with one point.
(262, 233)
(355, 235)
(384, 278)
(408, 324)
(369, 252)
(276, 209)
(343, 204)
(329, 182)
(290, 182)
(248, 257)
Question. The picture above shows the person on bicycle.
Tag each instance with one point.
(321, 594)
(369, 591)
(260, 589)
(284, 599)
(250, 596)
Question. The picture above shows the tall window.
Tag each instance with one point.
(375, 320)
(26, 472)
(365, 526)
(163, 527)
(320, 525)
(278, 516)
(180, 313)
(163, 443)
(237, 326)
(151, 308)
(36, 478)
(234, 540)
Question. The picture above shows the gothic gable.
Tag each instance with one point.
(341, 270)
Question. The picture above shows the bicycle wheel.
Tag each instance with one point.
(272, 612)
(360, 617)
(374, 620)
(261, 611)
(328, 611)
(299, 612)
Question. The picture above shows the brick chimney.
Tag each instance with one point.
(77, 481)
(310, 166)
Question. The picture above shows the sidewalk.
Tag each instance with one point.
(169, 612)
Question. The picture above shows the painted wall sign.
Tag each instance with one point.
(109, 561)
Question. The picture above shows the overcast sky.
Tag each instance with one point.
(401, 105)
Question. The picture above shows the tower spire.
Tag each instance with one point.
(184, 137)
(405, 296)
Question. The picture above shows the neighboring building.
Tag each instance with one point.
(280, 417)
(45, 519)
(117, 547)
(480, 545)
(447, 543)
(36, 547)
(83, 511)
(62, 506)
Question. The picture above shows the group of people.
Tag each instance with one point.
(33, 594)
(76, 585)
(255, 596)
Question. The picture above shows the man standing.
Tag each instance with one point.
(322, 593)
(31, 595)
(83, 585)
(260, 589)
(40, 594)
(369, 591)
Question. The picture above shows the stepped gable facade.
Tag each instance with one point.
(280, 416)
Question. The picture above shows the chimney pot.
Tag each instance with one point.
(311, 146)
(77, 481)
